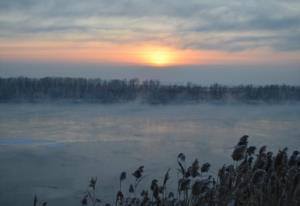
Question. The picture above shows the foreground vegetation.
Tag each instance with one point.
(256, 178)
(153, 92)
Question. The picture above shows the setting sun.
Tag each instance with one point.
(158, 56)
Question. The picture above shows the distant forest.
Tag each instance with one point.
(22, 89)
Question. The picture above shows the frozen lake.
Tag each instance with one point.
(53, 149)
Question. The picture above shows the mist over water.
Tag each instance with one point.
(53, 149)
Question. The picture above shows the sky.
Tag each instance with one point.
(194, 36)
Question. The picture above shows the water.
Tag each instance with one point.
(53, 149)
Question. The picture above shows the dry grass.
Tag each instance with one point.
(254, 179)
(36, 202)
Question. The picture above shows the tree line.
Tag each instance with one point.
(150, 91)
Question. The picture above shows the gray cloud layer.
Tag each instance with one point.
(207, 24)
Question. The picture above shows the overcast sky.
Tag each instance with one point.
(211, 32)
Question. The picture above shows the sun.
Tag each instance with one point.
(158, 56)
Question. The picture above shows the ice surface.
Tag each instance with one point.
(53, 149)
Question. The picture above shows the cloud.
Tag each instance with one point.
(208, 24)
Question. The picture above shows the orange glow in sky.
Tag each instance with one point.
(150, 33)
(140, 54)
(153, 55)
